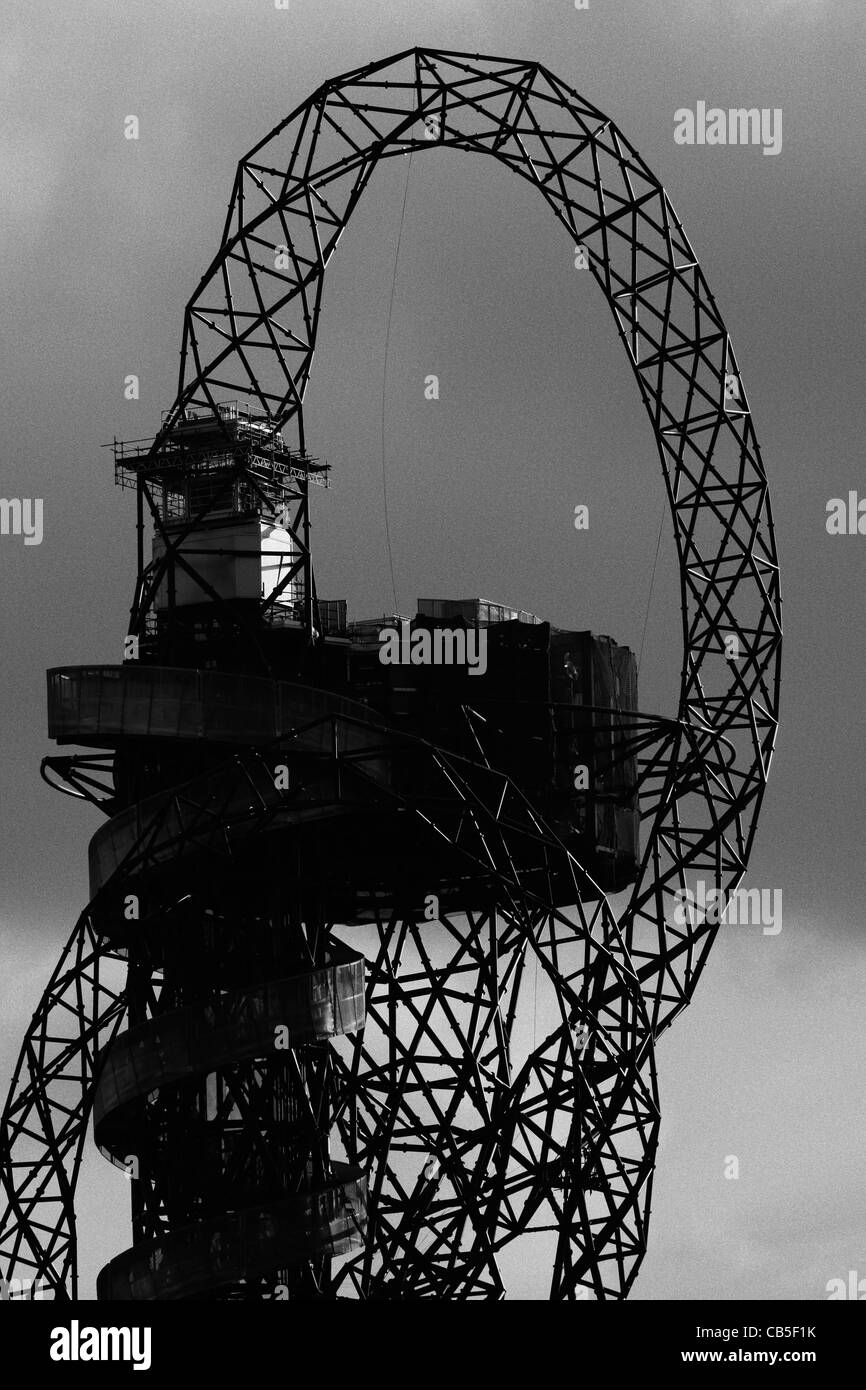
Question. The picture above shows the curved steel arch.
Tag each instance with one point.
(254, 336)
(292, 197)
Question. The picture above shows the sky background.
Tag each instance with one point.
(103, 240)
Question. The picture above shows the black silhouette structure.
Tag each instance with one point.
(325, 886)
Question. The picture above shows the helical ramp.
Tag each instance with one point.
(394, 1145)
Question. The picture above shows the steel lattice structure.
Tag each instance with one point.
(450, 1146)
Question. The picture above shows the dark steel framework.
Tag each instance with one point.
(464, 1142)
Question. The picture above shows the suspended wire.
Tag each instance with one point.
(385, 384)
(652, 582)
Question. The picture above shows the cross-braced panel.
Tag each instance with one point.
(472, 1137)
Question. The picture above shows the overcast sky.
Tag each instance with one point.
(102, 241)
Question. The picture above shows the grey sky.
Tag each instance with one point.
(102, 241)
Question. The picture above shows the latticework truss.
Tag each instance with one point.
(470, 1134)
